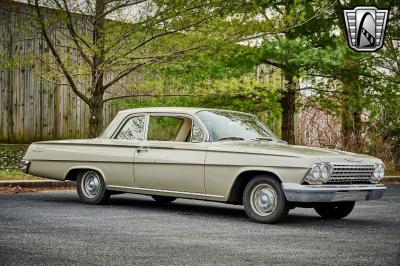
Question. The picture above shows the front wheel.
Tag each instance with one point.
(264, 200)
(91, 188)
(334, 210)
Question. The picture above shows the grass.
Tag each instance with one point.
(390, 170)
(11, 155)
(16, 174)
(392, 173)
(10, 158)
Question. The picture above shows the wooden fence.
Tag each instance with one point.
(31, 108)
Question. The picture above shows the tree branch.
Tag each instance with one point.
(175, 95)
(153, 37)
(285, 30)
(149, 95)
(153, 60)
(73, 33)
(275, 64)
(117, 7)
(56, 55)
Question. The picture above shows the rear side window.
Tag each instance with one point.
(133, 129)
(164, 128)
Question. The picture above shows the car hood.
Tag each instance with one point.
(282, 149)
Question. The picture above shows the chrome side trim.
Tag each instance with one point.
(255, 153)
(162, 192)
(327, 193)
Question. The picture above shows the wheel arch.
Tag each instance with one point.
(244, 177)
(72, 172)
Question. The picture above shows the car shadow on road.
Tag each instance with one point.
(211, 210)
(220, 210)
(183, 208)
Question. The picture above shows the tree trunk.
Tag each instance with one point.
(346, 130)
(96, 116)
(288, 104)
(396, 155)
(288, 100)
(351, 126)
(97, 91)
(357, 129)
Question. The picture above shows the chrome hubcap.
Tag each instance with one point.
(263, 199)
(91, 184)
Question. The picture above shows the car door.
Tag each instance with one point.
(172, 157)
(124, 142)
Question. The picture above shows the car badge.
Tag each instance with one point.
(354, 160)
(365, 26)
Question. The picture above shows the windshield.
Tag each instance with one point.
(229, 125)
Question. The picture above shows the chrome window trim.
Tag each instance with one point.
(204, 130)
(238, 112)
(180, 126)
(146, 126)
(187, 115)
(191, 132)
(122, 124)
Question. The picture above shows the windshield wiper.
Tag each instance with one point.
(231, 138)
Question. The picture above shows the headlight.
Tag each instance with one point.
(326, 170)
(319, 173)
(316, 172)
(379, 172)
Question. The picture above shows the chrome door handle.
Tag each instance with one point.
(142, 149)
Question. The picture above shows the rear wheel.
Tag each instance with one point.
(264, 200)
(334, 210)
(163, 199)
(91, 188)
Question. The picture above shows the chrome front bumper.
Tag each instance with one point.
(328, 193)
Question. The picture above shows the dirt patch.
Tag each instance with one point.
(391, 182)
(19, 189)
(16, 189)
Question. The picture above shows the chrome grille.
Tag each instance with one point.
(351, 173)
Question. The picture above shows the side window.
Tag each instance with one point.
(197, 134)
(133, 129)
(164, 128)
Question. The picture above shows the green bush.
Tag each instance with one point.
(11, 156)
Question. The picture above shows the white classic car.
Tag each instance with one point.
(209, 154)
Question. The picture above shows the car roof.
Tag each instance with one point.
(186, 110)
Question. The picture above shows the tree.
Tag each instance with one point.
(108, 40)
(384, 128)
(360, 78)
(287, 35)
(296, 49)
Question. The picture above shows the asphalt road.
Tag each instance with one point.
(55, 228)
